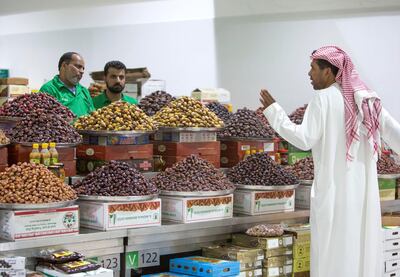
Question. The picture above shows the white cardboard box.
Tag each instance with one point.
(196, 209)
(391, 233)
(13, 273)
(391, 255)
(101, 272)
(263, 202)
(391, 266)
(13, 263)
(392, 274)
(18, 225)
(390, 245)
(303, 196)
(121, 215)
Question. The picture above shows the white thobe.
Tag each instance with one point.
(345, 213)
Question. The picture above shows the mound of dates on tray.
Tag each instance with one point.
(40, 126)
(192, 174)
(260, 170)
(118, 116)
(264, 120)
(27, 183)
(266, 230)
(303, 169)
(115, 179)
(220, 110)
(187, 112)
(27, 103)
(155, 101)
(245, 123)
(387, 165)
(298, 115)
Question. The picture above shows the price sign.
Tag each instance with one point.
(143, 258)
(110, 261)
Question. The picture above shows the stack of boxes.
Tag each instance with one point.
(98, 150)
(12, 266)
(301, 250)
(295, 154)
(278, 252)
(387, 187)
(176, 146)
(250, 258)
(13, 87)
(391, 251)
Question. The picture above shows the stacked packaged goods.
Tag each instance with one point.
(301, 249)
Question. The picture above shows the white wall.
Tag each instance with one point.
(182, 42)
(254, 53)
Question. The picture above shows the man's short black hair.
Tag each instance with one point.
(322, 64)
(66, 57)
(114, 64)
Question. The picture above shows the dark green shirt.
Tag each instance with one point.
(80, 102)
(102, 100)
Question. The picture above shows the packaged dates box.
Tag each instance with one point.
(196, 209)
(279, 271)
(248, 257)
(391, 266)
(278, 261)
(301, 265)
(387, 189)
(101, 272)
(297, 156)
(251, 273)
(121, 215)
(186, 136)
(390, 233)
(13, 273)
(30, 224)
(284, 243)
(12, 263)
(263, 202)
(303, 197)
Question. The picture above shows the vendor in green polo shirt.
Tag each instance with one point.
(114, 76)
(65, 87)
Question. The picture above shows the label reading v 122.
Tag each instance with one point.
(143, 258)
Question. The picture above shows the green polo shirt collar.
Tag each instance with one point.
(102, 100)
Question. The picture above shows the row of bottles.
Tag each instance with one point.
(46, 156)
(248, 153)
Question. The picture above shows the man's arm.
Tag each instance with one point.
(390, 131)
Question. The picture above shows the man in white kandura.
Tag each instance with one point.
(343, 125)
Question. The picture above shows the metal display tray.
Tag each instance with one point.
(190, 129)
(306, 182)
(244, 139)
(197, 193)
(44, 206)
(389, 176)
(99, 198)
(266, 188)
(114, 133)
(58, 144)
(10, 118)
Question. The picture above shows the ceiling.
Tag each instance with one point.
(9, 7)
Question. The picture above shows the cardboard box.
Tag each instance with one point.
(301, 274)
(251, 273)
(267, 243)
(392, 274)
(278, 261)
(297, 156)
(390, 233)
(3, 155)
(101, 272)
(116, 140)
(186, 148)
(114, 152)
(167, 274)
(153, 85)
(186, 136)
(13, 90)
(12, 263)
(390, 245)
(391, 266)
(301, 233)
(263, 202)
(196, 209)
(171, 160)
(232, 152)
(301, 265)
(87, 166)
(293, 149)
(207, 95)
(122, 215)
(234, 253)
(303, 197)
(30, 224)
(391, 220)
(13, 273)
(387, 189)
(203, 266)
(391, 255)
(14, 81)
(301, 250)
(282, 271)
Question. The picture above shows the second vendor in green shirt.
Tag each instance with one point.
(114, 76)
